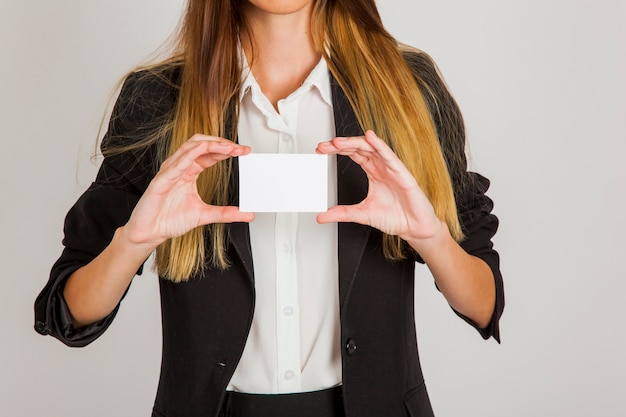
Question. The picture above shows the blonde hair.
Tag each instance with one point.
(367, 62)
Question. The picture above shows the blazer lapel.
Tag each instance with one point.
(352, 186)
(239, 233)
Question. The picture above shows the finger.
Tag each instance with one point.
(381, 148)
(224, 214)
(198, 137)
(369, 145)
(358, 149)
(359, 158)
(206, 160)
(345, 144)
(326, 148)
(223, 144)
(386, 157)
(183, 159)
(195, 156)
(345, 214)
(189, 150)
(361, 149)
(208, 144)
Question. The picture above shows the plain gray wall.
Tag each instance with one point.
(542, 86)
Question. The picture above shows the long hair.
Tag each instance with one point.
(369, 66)
(211, 76)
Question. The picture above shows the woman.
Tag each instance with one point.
(321, 323)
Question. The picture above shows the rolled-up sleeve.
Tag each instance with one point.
(105, 206)
(474, 207)
(480, 225)
(89, 227)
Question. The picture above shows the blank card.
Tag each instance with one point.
(283, 183)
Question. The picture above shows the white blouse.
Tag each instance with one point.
(294, 343)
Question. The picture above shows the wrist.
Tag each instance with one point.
(129, 241)
(433, 243)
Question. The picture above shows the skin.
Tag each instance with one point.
(281, 33)
(396, 205)
(171, 206)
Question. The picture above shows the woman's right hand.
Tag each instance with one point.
(171, 205)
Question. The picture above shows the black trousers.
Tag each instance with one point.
(325, 403)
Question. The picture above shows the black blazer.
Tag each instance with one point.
(207, 319)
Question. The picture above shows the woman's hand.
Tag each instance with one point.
(171, 205)
(395, 204)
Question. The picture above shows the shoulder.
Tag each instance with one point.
(139, 126)
(151, 90)
(443, 108)
(417, 59)
(145, 104)
(421, 65)
(157, 78)
(429, 79)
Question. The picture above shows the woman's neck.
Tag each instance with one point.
(280, 50)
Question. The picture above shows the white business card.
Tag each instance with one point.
(283, 183)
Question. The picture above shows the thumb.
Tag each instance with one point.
(342, 214)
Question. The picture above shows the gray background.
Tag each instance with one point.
(542, 87)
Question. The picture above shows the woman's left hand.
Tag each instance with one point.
(395, 204)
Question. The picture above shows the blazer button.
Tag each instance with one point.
(350, 347)
(41, 328)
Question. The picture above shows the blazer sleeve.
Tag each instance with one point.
(104, 206)
(478, 222)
